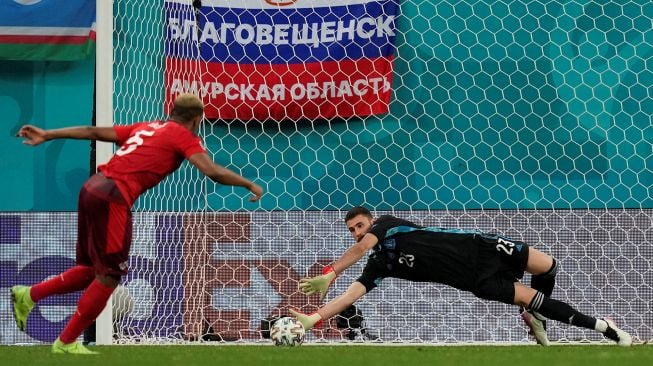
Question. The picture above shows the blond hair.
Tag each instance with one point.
(186, 107)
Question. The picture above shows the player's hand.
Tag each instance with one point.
(257, 192)
(318, 284)
(307, 320)
(33, 135)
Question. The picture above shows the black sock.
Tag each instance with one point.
(544, 283)
(560, 311)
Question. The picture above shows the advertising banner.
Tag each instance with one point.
(282, 60)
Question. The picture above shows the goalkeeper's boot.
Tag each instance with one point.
(622, 338)
(74, 348)
(23, 305)
(537, 324)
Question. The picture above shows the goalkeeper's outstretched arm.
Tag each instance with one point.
(320, 284)
(354, 253)
(355, 291)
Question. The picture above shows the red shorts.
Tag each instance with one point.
(104, 227)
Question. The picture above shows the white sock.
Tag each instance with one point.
(601, 325)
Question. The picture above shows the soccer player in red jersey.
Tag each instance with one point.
(149, 151)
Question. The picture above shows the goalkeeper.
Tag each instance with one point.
(489, 266)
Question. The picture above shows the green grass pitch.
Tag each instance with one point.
(341, 355)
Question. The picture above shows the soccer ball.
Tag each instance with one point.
(287, 332)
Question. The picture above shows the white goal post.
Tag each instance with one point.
(104, 117)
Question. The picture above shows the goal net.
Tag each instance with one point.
(525, 118)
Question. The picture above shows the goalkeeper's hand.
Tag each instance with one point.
(307, 320)
(318, 284)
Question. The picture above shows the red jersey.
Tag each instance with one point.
(149, 151)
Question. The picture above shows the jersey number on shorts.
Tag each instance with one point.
(133, 142)
(505, 245)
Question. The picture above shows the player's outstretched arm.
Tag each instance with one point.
(223, 175)
(34, 135)
(355, 291)
(354, 253)
(320, 284)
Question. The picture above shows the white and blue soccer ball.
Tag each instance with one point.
(287, 331)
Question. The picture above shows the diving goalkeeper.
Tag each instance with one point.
(489, 266)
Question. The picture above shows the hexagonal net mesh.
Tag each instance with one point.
(528, 118)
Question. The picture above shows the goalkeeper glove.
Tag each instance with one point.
(308, 320)
(318, 284)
